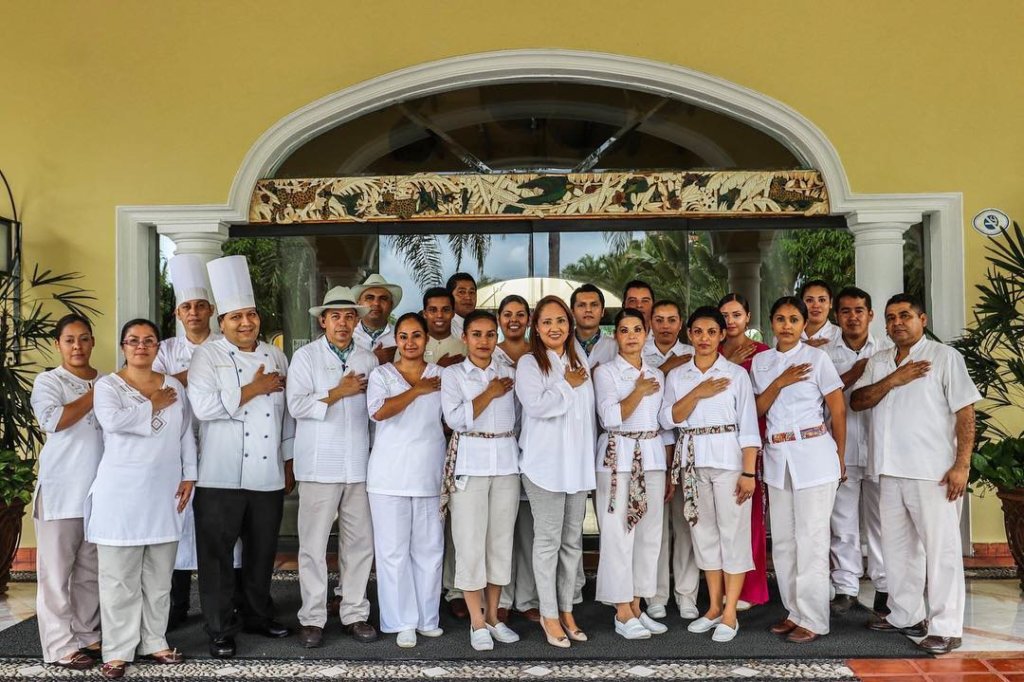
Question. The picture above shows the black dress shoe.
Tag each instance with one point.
(883, 625)
(361, 631)
(271, 629)
(881, 605)
(934, 644)
(842, 604)
(310, 636)
(222, 647)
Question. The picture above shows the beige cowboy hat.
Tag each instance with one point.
(375, 281)
(339, 298)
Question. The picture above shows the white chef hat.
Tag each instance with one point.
(231, 284)
(188, 275)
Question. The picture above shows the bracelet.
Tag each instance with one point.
(746, 475)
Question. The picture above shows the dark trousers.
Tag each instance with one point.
(223, 516)
(181, 594)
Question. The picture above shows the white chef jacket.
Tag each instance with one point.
(844, 358)
(605, 350)
(613, 381)
(734, 405)
(146, 455)
(799, 406)
(828, 331)
(332, 443)
(175, 354)
(407, 458)
(655, 358)
(460, 385)
(559, 429)
(363, 339)
(241, 446)
(913, 428)
(69, 458)
(452, 345)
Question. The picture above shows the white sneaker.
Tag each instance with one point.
(743, 605)
(407, 639)
(503, 633)
(724, 633)
(688, 612)
(631, 629)
(703, 624)
(656, 610)
(436, 632)
(654, 626)
(480, 639)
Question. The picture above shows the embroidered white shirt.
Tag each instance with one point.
(613, 381)
(844, 358)
(450, 346)
(460, 385)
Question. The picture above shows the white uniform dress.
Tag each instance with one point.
(403, 482)
(913, 445)
(802, 473)
(67, 599)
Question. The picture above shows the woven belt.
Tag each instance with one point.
(688, 473)
(637, 501)
(448, 478)
(787, 436)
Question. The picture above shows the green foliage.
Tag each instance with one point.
(819, 254)
(19, 477)
(267, 273)
(166, 322)
(1000, 463)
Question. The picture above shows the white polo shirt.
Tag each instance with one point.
(844, 358)
(734, 405)
(366, 341)
(798, 406)
(559, 430)
(461, 384)
(913, 428)
(613, 381)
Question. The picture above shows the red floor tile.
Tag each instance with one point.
(1008, 665)
(969, 677)
(951, 665)
(865, 667)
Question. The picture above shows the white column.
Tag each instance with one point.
(878, 246)
(745, 278)
(202, 239)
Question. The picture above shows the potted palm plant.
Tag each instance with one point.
(29, 308)
(993, 348)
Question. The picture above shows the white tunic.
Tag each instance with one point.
(810, 461)
(913, 428)
(366, 342)
(146, 455)
(407, 459)
(614, 381)
(332, 443)
(175, 354)
(241, 446)
(69, 458)
(460, 385)
(559, 430)
(828, 331)
(844, 358)
(734, 405)
(605, 350)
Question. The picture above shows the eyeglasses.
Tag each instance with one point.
(145, 343)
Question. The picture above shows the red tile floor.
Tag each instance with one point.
(945, 669)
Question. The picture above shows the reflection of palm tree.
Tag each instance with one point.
(421, 254)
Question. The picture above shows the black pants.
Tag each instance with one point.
(223, 516)
(181, 594)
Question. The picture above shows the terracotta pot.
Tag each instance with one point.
(10, 536)
(1013, 518)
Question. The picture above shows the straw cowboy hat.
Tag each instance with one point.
(339, 298)
(375, 281)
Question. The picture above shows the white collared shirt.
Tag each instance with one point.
(605, 350)
(458, 325)
(828, 331)
(735, 405)
(146, 456)
(407, 458)
(69, 458)
(460, 385)
(175, 354)
(655, 358)
(366, 342)
(798, 406)
(913, 428)
(450, 346)
(332, 442)
(613, 381)
(844, 358)
(559, 430)
(242, 446)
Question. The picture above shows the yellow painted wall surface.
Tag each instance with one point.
(112, 103)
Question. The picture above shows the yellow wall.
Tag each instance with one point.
(110, 103)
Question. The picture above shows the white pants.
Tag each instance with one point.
(800, 548)
(135, 598)
(319, 505)
(856, 516)
(408, 538)
(483, 517)
(521, 590)
(677, 548)
(557, 545)
(628, 565)
(721, 537)
(67, 598)
(922, 549)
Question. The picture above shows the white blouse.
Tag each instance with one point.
(407, 458)
(460, 385)
(844, 358)
(332, 443)
(614, 381)
(810, 461)
(69, 458)
(734, 405)
(655, 358)
(559, 430)
(146, 455)
(828, 331)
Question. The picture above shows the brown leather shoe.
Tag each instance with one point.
(934, 644)
(801, 636)
(502, 615)
(310, 636)
(76, 661)
(532, 615)
(171, 657)
(361, 631)
(112, 671)
(458, 608)
(883, 625)
(783, 627)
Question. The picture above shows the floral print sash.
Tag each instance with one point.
(688, 473)
(448, 478)
(636, 503)
(789, 436)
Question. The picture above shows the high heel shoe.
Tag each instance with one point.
(575, 634)
(560, 642)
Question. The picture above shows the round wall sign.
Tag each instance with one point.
(991, 222)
